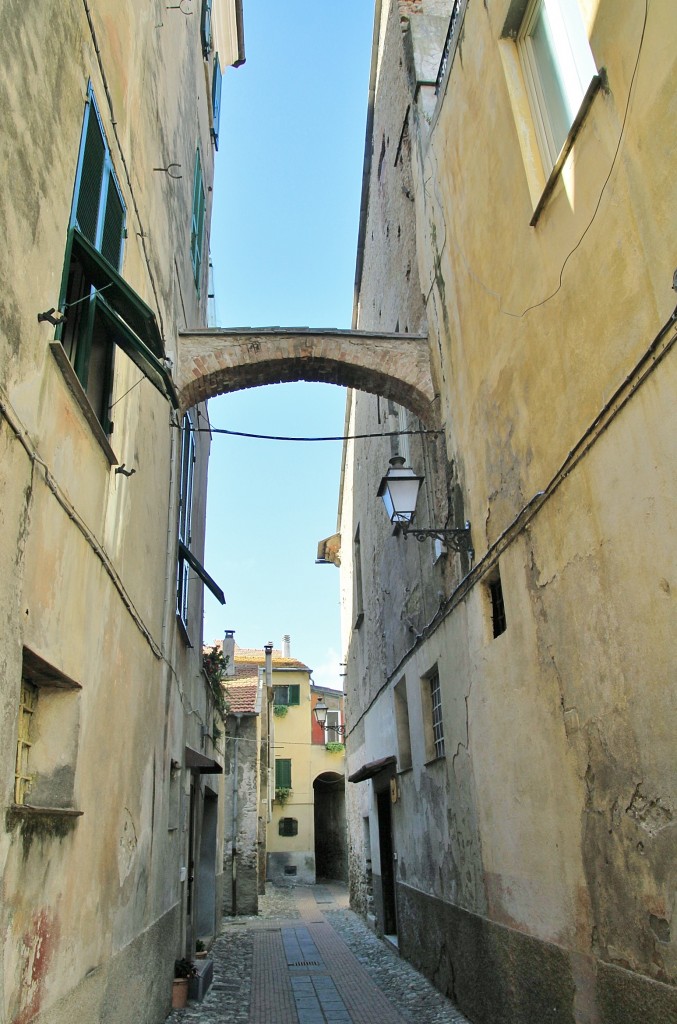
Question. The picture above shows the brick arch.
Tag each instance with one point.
(397, 366)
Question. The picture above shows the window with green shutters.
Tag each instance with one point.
(287, 696)
(217, 81)
(197, 229)
(282, 773)
(185, 515)
(102, 313)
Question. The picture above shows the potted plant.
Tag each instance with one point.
(183, 972)
(200, 950)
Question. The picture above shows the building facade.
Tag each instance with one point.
(110, 852)
(511, 708)
(307, 827)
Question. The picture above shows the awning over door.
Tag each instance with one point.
(368, 771)
(201, 763)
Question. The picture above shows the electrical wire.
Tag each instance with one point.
(338, 437)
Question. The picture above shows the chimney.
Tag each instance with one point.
(286, 646)
(229, 652)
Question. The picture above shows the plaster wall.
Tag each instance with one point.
(88, 557)
(542, 843)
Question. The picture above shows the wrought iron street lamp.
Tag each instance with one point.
(320, 712)
(399, 489)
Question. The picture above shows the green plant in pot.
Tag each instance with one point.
(184, 970)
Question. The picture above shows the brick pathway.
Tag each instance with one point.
(307, 959)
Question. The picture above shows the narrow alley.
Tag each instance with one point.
(308, 959)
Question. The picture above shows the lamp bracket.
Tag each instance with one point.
(456, 538)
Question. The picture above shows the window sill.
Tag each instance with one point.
(29, 811)
(405, 769)
(435, 760)
(598, 81)
(78, 393)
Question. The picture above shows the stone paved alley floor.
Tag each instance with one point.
(308, 959)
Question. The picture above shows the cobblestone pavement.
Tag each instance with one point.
(308, 959)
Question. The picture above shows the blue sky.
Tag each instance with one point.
(283, 241)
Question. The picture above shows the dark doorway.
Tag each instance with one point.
(331, 854)
(385, 841)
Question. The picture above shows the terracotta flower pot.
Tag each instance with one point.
(179, 993)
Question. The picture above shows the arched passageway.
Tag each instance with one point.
(331, 848)
(396, 366)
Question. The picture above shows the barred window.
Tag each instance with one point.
(436, 713)
(288, 827)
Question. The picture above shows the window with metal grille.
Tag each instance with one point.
(287, 696)
(22, 775)
(197, 228)
(288, 827)
(282, 773)
(498, 620)
(47, 736)
(436, 713)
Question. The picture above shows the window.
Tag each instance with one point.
(359, 597)
(286, 696)
(498, 619)
(206, 27)
(331, 733)
(558, 68)
(282, 773)
(187, 470)
(197, 229)
(101, 311)
(186, 558)
(436, 713)
(402, 724)
(431, 700)
(47, 740)
(27, 707)
(217, 80)
(288, 827)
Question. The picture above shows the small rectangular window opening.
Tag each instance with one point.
(288, 827)
(436, 711)
(498, 620)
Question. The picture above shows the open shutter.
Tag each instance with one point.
(206, 27)
(198, 221)
(113, 225)
(90, 177)
(216, 100)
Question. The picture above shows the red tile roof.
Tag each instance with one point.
(241, 697)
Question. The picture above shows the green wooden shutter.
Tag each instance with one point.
(295, 694)
(91, 177)
(282, 773)
(206, 27)
(198, 221)
(216, 100)
(113, 225)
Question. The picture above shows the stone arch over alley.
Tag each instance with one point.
(218, 361)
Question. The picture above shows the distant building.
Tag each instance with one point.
(307, 831)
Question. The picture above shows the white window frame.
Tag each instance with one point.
(331, 733)
(572, 56)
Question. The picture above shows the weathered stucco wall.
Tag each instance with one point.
(542, 844)
(87, 555)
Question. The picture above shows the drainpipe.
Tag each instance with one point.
(268, 648)
(233, 846)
